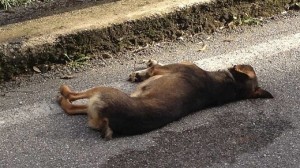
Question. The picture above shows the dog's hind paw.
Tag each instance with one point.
(65, 91)
(59, 99)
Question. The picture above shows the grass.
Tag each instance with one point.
(76, 61)
(6, 4)
(248, 21)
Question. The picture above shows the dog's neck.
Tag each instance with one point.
(224, 87)
(229, 74)
(223, 74)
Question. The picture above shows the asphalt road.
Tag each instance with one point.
(253, 133)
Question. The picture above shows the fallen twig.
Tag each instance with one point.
(68, 77)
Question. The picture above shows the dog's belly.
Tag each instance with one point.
(139, 116)
(136, 125)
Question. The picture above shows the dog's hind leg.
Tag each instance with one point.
(95, 118)
(72, 96)
(67, 96)
(70, 108)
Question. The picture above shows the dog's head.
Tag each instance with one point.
(246, 79)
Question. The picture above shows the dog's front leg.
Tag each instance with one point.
(141, 75)
(150, 63)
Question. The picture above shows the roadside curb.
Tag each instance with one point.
(17, 59)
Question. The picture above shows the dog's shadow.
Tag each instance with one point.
(223, 140)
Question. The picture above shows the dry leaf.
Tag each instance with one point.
(203, 48)
(228, 40)
(36, 69)
(107, 55)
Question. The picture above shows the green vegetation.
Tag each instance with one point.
(248, 20)
(75, 50)
(76, 61)
(6, 4)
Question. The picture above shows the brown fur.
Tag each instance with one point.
(167, 93)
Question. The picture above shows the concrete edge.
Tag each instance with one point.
(16, 59)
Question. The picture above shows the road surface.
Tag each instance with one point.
(253, 133)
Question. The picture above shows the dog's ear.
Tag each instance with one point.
(261, 93)
(238, 74)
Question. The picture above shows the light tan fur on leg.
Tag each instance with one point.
(95, 120)
(106, 130)
(92, 109)
(70, 108)
(67, 96)
(72, 96)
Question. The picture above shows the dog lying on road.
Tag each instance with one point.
(167, 93)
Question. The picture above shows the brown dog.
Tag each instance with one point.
(168, 93)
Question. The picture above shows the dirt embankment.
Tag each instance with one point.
(42, 8)
(131, 35)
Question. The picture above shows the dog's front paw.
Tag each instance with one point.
(134, 77)
(150, 62)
